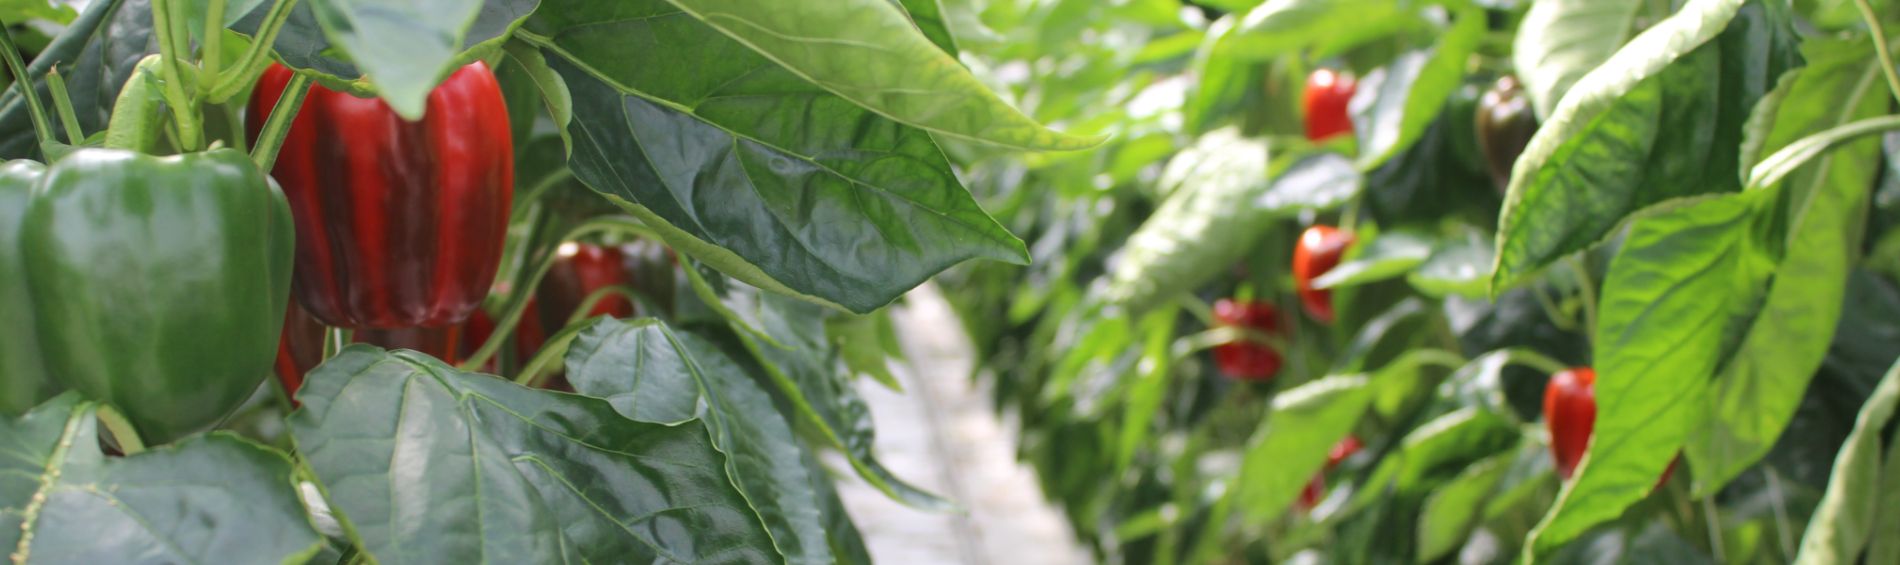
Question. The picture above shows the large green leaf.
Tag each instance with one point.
(208, 499)
(1323, 26)
(1844, 522)
(1661, 119)
(1395, 103)
(1761, 385)
(868, 52)
(1682, 279)
(414, 43)
(1290, 445)
(95, 54)
(1453, 509)
(1204, 226)
(749, 168)
(652, 375)
(1436, 451)
(1391, 254)
(423, 463)
(1561, 40)
(928, 15)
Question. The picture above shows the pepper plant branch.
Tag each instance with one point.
(42, 125)
(270, 139)
(63, 105)
(121, 429)
(593, 299)
(1881, 51)
(256, 57)
(211, 61)
(518, 303)
(171, 50)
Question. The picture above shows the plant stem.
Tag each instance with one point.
(211, 61)
(1881, 51)
(121, 430)
(172, 49)
(270, 139)
(593, 299)
(556, 348)
(63, 105)
(42, 124)
(255, 57)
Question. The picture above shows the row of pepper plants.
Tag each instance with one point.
(1473, 281)
(540, 281)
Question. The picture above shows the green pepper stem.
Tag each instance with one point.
(172, 49)
(256, 56)
(1881, 51)
(121, 429)
(211, 61)
(271, 138)
(63, 105)
(518, 302)
(42, 125)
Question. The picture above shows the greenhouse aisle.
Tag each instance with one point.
(942, 435)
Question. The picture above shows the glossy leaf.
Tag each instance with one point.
(745, 166)
(1559, 41)
(868, 52)
(650, 374)
(1389, 255)
(1397, 102)
(1646, 126)
(1291, 444)
(1446, 442)
(1844, 521)
(1199, 231)
(1456, 266)
(928, 16)
(207, 499)
(1318, 181)
(96, 53)
(417, 41)
(423, 463)
(1682, 279)
(1761, 383)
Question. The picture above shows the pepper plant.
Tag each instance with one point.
(1588, 280)
(540, 280)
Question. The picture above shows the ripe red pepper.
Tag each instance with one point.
(1328, 93)
(1247, 360)
(1316, 489)
(1317, 252)
(1570, 411)
(579, 270)
(399, 224)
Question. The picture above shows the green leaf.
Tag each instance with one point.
(1646, 126)
(1321, 26)
(1437, 450)
(19, 11)
(206, 499)
(869, 53)
(1150, 388)
(1290, 445)
(1561, 40)
(96, 54)
(1844, 522)
(553, 90)
(928, 16)
(1456, 266)
(862, 345)
(416, 42)
(1389, 255)
(1199, 231)
(1761, 384)
(423, 463)
(745, 166)
(653, 375)
(1395, 103)
(1453, 509)
(1319, 181)
(1683, 278)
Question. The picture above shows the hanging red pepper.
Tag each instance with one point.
(1247, 360)
(1328, 93)
(1317, 252)
(399, 224)
(1570, 413)
(579, 270)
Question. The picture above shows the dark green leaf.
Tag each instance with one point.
(1661, 119)
(869, 53)
(1844, 522)
(1561, 40)
(208, 499)
(1683, 278)
(423, 463)
(749, 168)
(95, 55)
(652, 375)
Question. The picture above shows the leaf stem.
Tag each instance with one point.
(211, 61)
(270, 139)
(172, 49)
(256, 56)
(42, 124)
(1881, 51)
(63, 105)
(121, 429)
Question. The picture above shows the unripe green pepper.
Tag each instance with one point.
(23, 381)
(159, 283)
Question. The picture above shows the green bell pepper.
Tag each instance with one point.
(159, 284)
(23, 381)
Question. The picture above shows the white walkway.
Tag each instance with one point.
(941, 435)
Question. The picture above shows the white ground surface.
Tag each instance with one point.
(941, 435)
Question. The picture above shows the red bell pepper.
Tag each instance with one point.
(579, 270)
(1328, 93)
(1247, 360)
(1570, 412)
(399, 224)
(1317, 252)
